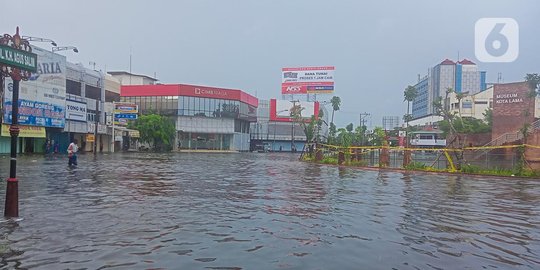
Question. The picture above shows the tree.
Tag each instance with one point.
(409, 95)
(378, 136)
(488, 117)
(336, 103)
(534, 82)
(456, 140)
(156, 130)
(332, 131)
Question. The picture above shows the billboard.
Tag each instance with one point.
(76, 110)
(307, 80)
(280, 110)
(42, 99)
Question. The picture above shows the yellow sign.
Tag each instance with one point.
(26, 131)
(90, 138)
(134, 134)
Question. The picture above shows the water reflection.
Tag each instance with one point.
(263, 211)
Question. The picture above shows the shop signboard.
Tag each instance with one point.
(75, 110)
(90, 138)
(42, 99)
(25, 131)
(307, 80)
(125, 108)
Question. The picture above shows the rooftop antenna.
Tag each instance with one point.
(129, 65)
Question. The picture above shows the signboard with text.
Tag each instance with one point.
(42, 99)
(307, 80)
(25, 131)
(18, 58)
(123, 112)
(75, 110)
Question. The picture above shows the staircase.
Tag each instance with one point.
(508, 137)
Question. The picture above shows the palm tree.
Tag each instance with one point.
(336, 102)
(409, 95)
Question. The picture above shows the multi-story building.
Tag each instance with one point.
(60, 103)
(462, 76)
(205, 117)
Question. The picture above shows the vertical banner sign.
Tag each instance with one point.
(307, 80)
(42, 99)
(123, 112)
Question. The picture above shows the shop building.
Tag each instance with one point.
(59, 103)
(205, 117)
(41, 105)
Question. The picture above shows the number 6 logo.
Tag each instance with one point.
(496, 40)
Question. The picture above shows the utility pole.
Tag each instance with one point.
(293, 147)
(363, 117)
(97, 118)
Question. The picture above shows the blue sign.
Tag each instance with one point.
(320, 88)
(125, 115)
(35, 113)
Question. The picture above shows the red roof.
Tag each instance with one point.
(448, 62)
(466, 62)
(187, 90)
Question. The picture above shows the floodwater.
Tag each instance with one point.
(262, 211)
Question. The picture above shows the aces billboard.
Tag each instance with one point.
(307, 80)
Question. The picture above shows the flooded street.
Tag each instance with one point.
(262, 211)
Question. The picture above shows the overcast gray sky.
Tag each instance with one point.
(378, 47)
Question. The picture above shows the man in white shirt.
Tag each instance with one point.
(72, 152)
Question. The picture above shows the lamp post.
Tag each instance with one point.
(38, 39)
(57, 48)
(275, 122)
(97, 118)
(18, 62)
(293, 110)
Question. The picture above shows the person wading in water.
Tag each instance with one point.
(72, 153)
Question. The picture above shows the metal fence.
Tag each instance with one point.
(502, 157)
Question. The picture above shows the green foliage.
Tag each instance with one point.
(349, 127)
(517, 171)
(465, 125)
(332, 131)
(329, 160)
(534, 82)
(415, 165)
(344, 138)
(410, 93)
(488, 117)
(156, 130)
(378, 136)
(336, 103)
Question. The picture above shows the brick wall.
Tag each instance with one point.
(512, 108)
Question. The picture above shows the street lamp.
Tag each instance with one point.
(55, 49)
(38, 39)
(278, 112)
(21, 49)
